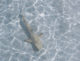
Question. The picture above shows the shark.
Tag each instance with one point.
(34, 38)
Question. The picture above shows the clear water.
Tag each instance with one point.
(58, 20)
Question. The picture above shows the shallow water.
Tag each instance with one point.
(58, 20)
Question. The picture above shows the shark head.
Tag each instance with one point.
(37, 46)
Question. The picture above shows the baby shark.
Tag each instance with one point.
(34, 39)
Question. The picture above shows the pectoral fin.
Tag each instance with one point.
(29, 41)
(41, 34)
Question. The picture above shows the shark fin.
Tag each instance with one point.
(29, 41)
(41, 34)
